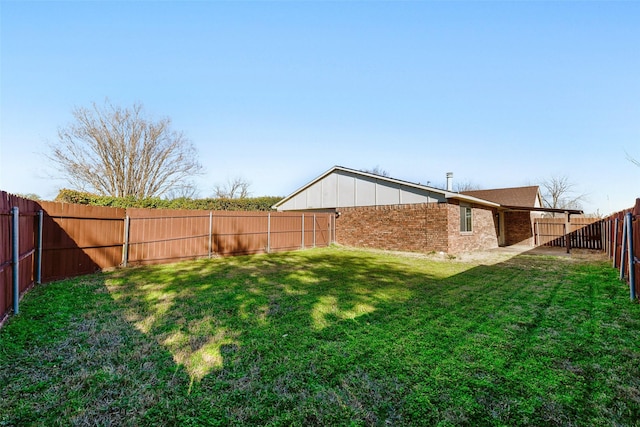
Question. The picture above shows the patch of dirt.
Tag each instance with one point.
(498, 255)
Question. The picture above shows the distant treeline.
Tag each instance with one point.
(245, 204)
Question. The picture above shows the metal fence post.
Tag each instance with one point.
(269, 232)
(605, 237)
(631, 258)
(567, 232)
(39, 248)
(210, 234)
(15, 256)
(125, 245)
(623, 249)
(615, 242)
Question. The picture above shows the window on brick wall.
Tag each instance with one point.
(465, 219)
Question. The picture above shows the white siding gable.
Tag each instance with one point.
(345, 188)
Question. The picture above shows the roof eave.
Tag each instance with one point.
(550, 210)
(471, 199)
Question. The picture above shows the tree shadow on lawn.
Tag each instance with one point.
(332, 337)
(327, 337)
(71, 358)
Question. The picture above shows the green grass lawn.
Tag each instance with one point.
(327, 337)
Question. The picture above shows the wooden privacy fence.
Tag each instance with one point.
(577, 232)
(158, 236)
(58, 240)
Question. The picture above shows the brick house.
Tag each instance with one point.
(386, 213)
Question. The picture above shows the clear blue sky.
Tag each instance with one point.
(500, 93)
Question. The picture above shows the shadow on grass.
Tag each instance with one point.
(71, 358)
(339, 337)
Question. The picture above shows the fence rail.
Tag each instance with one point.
(80, 239)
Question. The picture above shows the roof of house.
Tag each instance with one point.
(380, 178)
(516, 196)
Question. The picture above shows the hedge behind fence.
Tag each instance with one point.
(246, 204)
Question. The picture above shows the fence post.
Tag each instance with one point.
(210, 233)
(125, 245)
(631, 258)
(269, 232)
(567, 232)
(15, 256)
(610, 236)
(314, 230)
(615, 242)
(39, 248)
(605, 237)
(623, 249)
(302, 231)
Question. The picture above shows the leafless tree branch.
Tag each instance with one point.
(376, 170)
(633, 160)
(116, 151)
(234, 188)
(558, 193)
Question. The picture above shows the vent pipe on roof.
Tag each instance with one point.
(449, 181)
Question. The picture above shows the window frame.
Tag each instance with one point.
(466, 219)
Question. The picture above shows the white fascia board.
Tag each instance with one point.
(470, 199)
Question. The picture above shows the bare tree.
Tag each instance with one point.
(376, 170)
(558, 193)
(116, 151)
(188, 190)
(234, 188)
(30, 196)
(459, 187)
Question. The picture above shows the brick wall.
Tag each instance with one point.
(418, 228)
(518, 229)
(484, 225)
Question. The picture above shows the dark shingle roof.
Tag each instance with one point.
(516, 196)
